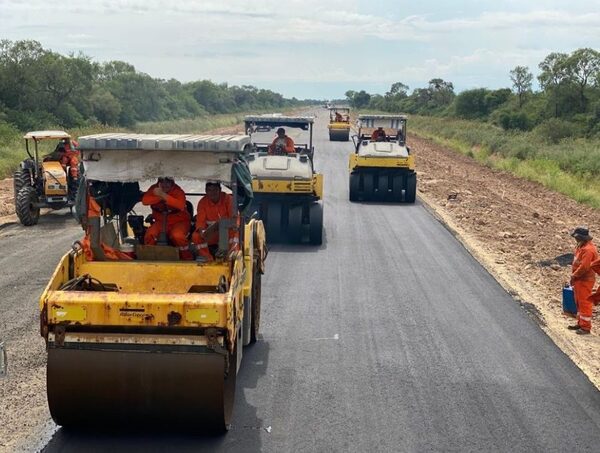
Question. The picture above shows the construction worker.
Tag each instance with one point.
(282, 143)
(70, 158)
(214, 206)
(583, 279)
(378, 135)
(169, 212)
(67, 154)
(338, 117)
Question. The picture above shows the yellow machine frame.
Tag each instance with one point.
(314, 186)
(356, 161)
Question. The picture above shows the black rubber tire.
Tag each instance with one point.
(397, 188)
(26, 212)
(382, 187)
(273, 223)
(354, 186)
(315, 230)
(21, 178)
(368, 186)
(256, 300)
(411, 188)
(295, 224)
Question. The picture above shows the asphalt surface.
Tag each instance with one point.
(388, 337)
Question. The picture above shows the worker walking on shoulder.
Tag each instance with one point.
(168, 199)
(583, 279)
(213, 207)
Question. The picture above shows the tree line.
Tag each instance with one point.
(566, 105)
(40, 88)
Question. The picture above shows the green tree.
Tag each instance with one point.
(521, 78)
(582, 67)
(554, 75)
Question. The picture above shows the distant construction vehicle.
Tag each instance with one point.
(339, 124)
(287, 190)
(45, 182)
(134, 335)
(382, 167)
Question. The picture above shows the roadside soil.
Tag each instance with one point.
(519, 231)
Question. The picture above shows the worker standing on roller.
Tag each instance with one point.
(168, 199)
(282, 143)
(214, 206)
(583, 279)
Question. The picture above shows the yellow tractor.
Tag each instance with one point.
(48, 181)
(135, 335)
(382, 167)
(287, 190)
(339, 124)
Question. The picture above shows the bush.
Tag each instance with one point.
(515, 120)
(554, 130)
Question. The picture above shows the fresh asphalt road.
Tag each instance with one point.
(388, 337)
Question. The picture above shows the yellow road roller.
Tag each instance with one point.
(135, 334)
(339, 124)
(382, 167)
(287, 189)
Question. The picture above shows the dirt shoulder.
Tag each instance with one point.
(519, 231)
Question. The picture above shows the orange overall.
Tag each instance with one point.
(288, 148)
(207, 214)
(178, 218)
(110, 253)
(582, 280)
(70, 158)
(378, 133)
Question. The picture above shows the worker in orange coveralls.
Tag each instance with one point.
(67, 154)
(583, 279)
(167, 198)
(282, 143)
(378, 135)
(70, 158)
(214, 206)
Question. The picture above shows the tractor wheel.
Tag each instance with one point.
(411, 188)
(354, 186)
(21, 178)
(26, 208)
(316, 224)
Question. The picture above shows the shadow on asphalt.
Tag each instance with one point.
(48, 220)
(244, 435)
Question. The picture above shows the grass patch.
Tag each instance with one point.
(571, 167)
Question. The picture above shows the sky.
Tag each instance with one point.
(314, 49)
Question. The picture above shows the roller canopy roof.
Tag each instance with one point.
(278, 120)
(165, 142)
(41, 135)
(142, 157)
(382, 117)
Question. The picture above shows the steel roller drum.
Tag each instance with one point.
(126, 387)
